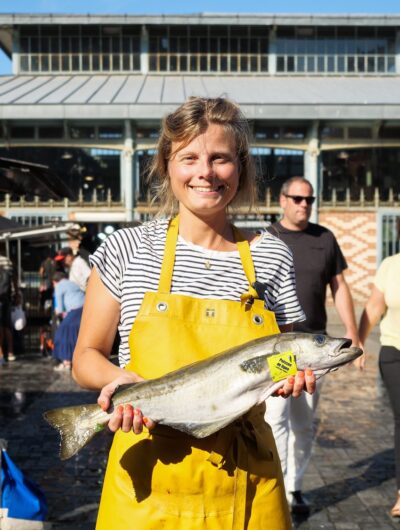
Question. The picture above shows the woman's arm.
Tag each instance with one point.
(374, 309)
(91, 366)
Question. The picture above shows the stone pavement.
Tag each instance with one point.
(350, 481)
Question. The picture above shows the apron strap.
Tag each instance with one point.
(247, 263)
(167, 267)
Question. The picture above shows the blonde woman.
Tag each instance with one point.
(158, 477)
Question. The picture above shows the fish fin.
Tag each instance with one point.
(74, 426)
(201, 430)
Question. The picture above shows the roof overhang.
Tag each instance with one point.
(150, 97)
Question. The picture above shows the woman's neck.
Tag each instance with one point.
(214, 232)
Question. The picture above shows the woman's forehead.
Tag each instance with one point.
(214, 137)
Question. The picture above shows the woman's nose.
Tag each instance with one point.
(206, 168)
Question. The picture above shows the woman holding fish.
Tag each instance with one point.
(179, 289)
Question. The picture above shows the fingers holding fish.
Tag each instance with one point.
(104, 399)
(295, 385)
(116, 419)
(310, 381)
(127, 418)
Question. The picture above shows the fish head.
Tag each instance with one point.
(318, 352)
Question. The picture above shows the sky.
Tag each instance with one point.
(152, 7)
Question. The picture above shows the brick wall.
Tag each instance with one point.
(356, 233)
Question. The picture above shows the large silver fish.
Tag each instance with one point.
(204, 397)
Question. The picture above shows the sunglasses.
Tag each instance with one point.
(298, 199)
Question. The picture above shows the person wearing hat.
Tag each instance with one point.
(78, 269)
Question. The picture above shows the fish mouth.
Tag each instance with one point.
(346, 343)
(347, 352)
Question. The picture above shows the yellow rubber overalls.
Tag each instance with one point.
(168, 480)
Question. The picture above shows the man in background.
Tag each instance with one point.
(77, 267)
(318, 262)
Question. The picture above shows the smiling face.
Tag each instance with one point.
(204, 174)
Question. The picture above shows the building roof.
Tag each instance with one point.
(254, 19)
(140, 96)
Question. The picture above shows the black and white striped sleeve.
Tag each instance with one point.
(112, 257)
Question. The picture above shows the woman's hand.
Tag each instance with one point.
(124, 417)
(294, 385)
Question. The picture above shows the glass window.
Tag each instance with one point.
(280, 63)
(24, 45)
(116, 63)
(261, 130)
(203, 63)
(35, 63)
(96, 62)
(183, 63)
(125, 62)
(112, 132)
(65, 63)
(371, 64)
(391, 65)
(294, 132)
(332, 132)
(24, 63)
(51, 131)
(85, 62)
(311, 64)
(264, 63)
(81, 131)
(75, 63)
(22, 131)
(106, 63)
(223, 63)
(290, 63)
(173, 63)
(392, 132)
(163, 63)
(360, 132)
(44, 63)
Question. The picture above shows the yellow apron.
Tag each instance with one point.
(168, 480)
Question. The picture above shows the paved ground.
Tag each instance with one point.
(350, 480)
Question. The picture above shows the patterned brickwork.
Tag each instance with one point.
(356, 233)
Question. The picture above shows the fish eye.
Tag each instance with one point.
(319, 340)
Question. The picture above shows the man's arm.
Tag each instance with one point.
(344, 306)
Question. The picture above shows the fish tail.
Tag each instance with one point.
(76, 425)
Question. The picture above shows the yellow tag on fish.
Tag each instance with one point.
(281, 365)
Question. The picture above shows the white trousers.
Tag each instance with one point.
(292, 422)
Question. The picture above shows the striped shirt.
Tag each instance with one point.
(129, 264)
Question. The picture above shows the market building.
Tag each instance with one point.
(322, 93)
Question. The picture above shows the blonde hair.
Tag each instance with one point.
(186, 123)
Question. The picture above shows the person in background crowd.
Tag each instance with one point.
(78, 269)
(385, 302)
(318, 262)
(69, 299)
(9, 293)
(46, 270)
(160, 477)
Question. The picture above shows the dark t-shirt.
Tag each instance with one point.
(317, 259)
